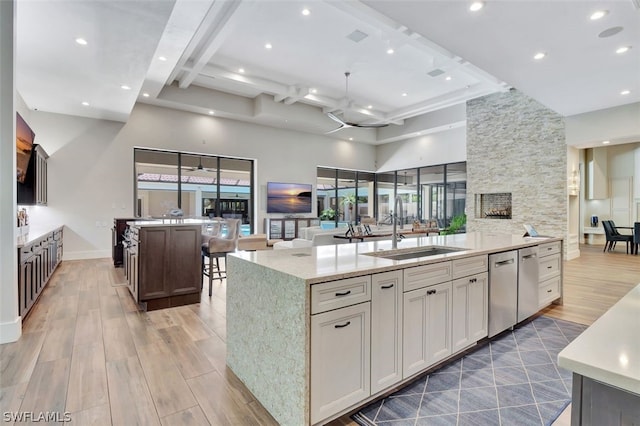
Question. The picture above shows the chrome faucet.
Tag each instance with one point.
(396, 216)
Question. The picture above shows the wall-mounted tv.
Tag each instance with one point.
(24, 147)
(289, 197)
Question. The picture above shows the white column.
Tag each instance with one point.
(10, 322)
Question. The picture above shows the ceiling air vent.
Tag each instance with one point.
(636, 4)
(436, 72)
(357, 36)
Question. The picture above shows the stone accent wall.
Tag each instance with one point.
(517, 145)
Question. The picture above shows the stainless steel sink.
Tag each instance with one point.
(415, 253)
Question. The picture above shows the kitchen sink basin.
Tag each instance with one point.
(415, 253)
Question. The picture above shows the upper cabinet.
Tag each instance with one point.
(34, 189)
(597, 181)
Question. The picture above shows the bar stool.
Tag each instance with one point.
(218, 246)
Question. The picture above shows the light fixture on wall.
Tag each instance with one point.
(574, 183)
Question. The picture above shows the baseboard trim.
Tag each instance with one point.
(573, 254)
(82, 255)
(10, 331)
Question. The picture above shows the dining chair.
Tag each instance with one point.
(613, 236)
(636, 238)
(218, 246)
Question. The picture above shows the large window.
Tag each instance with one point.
(344, 196)
(198, 184)
(428, 193)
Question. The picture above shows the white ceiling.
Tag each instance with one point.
(206, 42)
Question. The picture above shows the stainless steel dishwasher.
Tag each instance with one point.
(528, 283)
(503, 291)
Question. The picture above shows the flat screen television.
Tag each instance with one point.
(24, 147)
(289, 197)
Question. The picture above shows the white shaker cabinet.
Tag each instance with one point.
(386, 330)
(426, 327)
(340, 359)
(470, 310)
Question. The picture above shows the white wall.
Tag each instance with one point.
(619, 125)
(91, 163)
(621, 163)
(448, 146)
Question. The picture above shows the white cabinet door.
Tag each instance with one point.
(426, 332)
(470, 313)
(340, 359)
(386, 330)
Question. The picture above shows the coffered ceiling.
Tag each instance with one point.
(406, 59)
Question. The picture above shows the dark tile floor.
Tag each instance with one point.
(514, 380)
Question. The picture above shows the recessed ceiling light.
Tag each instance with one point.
(369, 106)
(476, 6)
(448, 78)
(145, 94)
(125, 87)
(81, 41)
(306, 12)
(623, 49)
(211, 112)
(162, 58)
(268, 46)
(241, 70)
(350, 139)
(404, 94)
(85, 103)
(598, 15)
(625, 92)
(314, 91)
(390, 51)
(606, 142)
(539, 55)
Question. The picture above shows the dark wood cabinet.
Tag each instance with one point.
(163, 265)
(36, 263)
(33, 191)
(117, 237)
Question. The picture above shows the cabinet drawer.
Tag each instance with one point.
(548, 249)
(549, 267)
(338, 294)
(470, 266)
(422, 276)
(548, 292)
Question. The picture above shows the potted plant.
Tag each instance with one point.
(457, 225)
(328, 214)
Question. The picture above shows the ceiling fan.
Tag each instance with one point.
(342, 121)
(199, 167)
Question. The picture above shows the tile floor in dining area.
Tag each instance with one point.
(514, 380)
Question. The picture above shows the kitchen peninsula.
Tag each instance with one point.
(317, 332)
(162, 262)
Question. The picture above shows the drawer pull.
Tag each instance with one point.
(384, 287)
(342, 325)
(431, 292)
(473, 280)
(529, 256)
(549, 267)
(549, 291)
(344, 294)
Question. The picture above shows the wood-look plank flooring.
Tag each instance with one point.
(87, 350)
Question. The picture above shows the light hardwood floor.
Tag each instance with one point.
(88, 351)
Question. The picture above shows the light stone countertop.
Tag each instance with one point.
(609, 350)
(35, 233)
(327, 263)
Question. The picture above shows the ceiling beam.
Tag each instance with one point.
(217, 25)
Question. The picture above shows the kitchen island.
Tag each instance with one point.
(317, 332)
(162, 262)
(605, 360)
